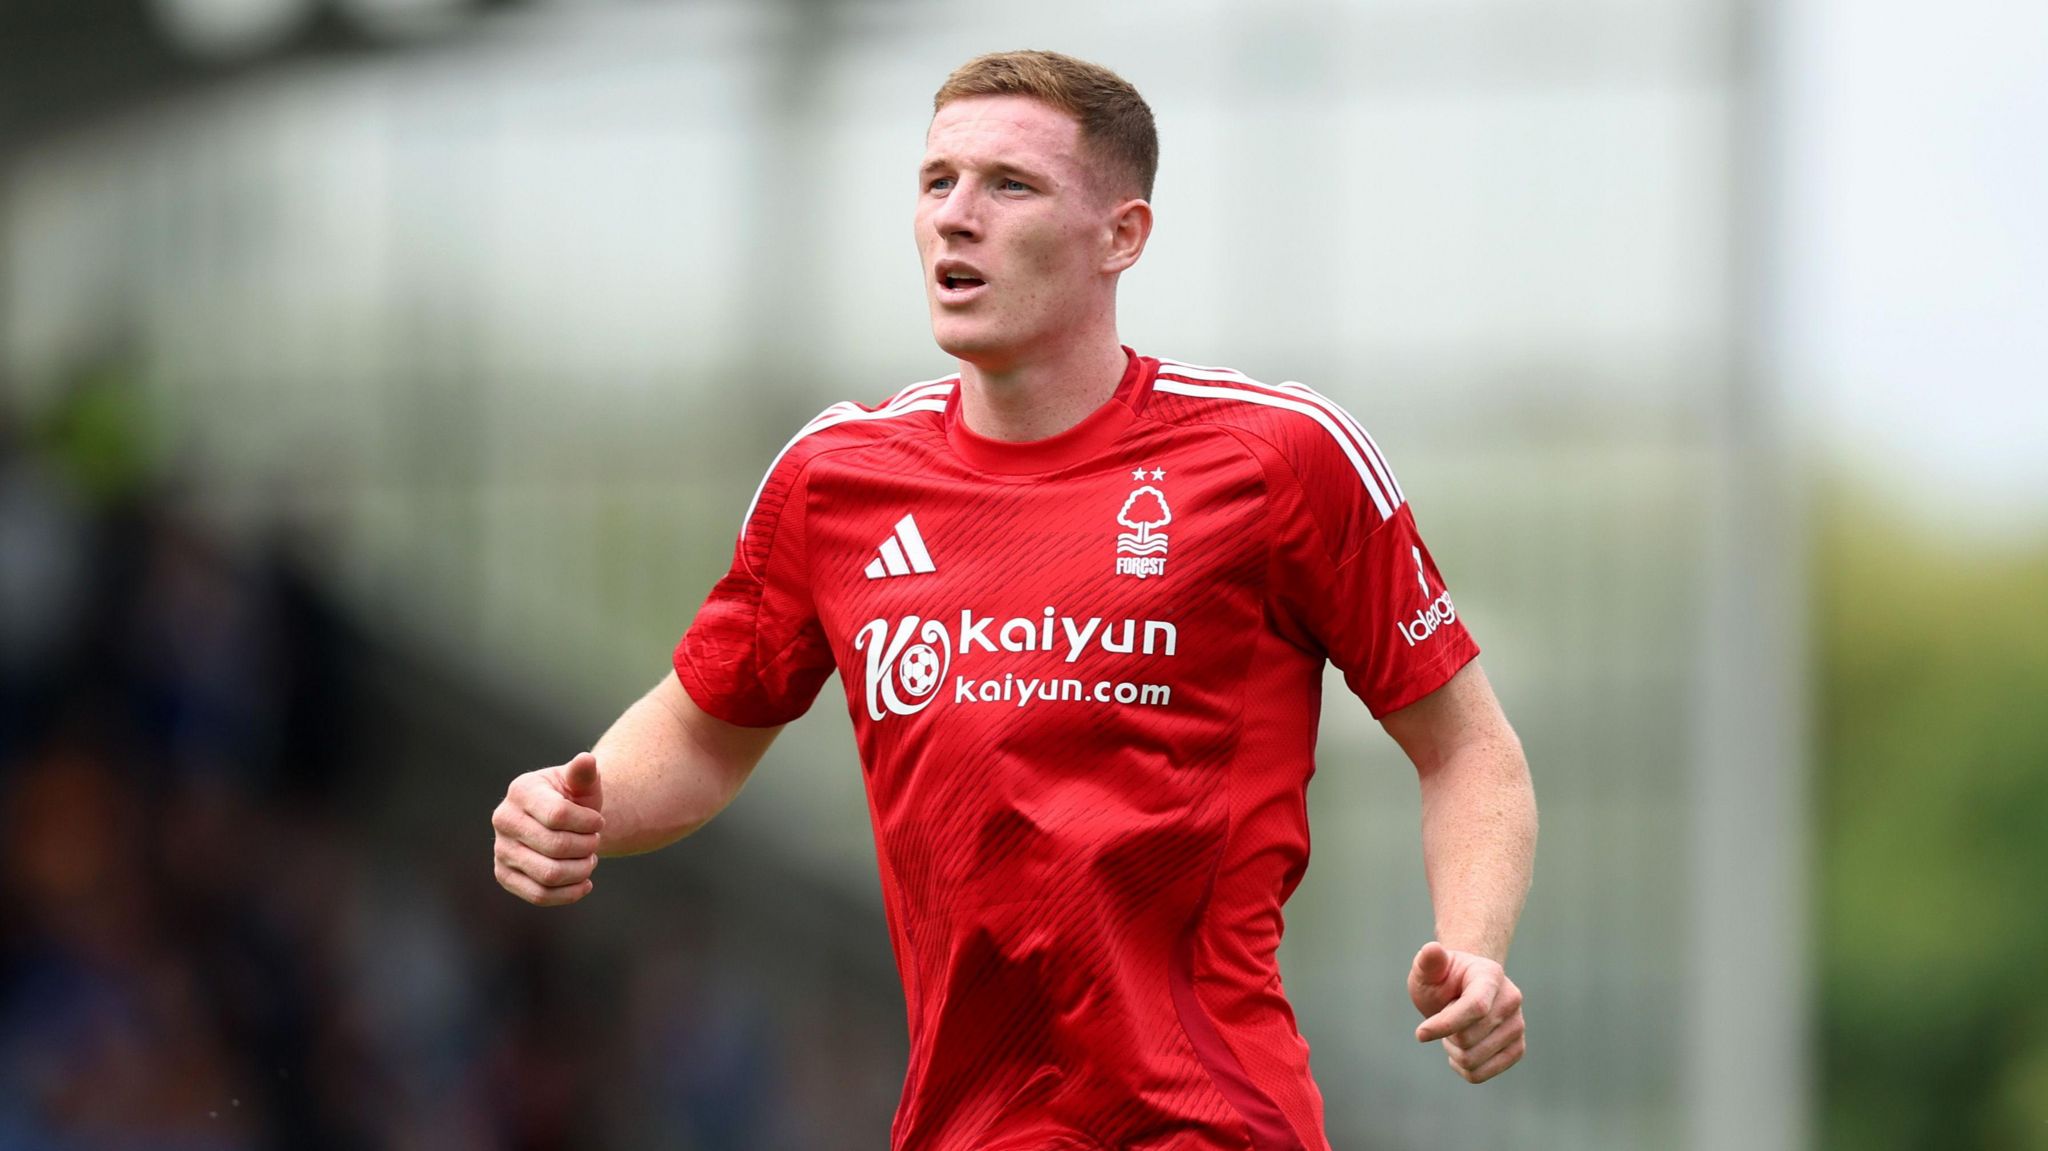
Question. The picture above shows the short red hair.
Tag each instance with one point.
(1116, 123)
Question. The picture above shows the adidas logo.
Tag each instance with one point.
(903, 553)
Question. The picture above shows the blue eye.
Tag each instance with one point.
(1016, 186)
(939, 184)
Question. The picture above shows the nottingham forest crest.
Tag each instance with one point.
(1141, 551)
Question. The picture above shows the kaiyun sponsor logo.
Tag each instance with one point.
(908, 658)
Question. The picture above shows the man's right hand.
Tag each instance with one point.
(548, 828)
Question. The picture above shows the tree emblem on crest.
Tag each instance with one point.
(1145, 512)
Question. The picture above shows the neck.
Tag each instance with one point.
(1033, 399)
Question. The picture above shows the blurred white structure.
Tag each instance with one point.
(509, 329)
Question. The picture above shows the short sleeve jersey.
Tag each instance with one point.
(1085, 674)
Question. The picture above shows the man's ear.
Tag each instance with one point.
(1129, 227)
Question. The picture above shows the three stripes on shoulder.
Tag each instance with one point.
(1228, 384)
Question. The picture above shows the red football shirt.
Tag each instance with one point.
(1085, 674)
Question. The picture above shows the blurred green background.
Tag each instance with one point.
(1933, 786)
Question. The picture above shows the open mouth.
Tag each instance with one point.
(957, 279)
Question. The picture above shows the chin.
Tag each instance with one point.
(968, 341)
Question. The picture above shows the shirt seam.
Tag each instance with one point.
(799, 484)
(1230, 824)
(802, 472)
(1294, 477)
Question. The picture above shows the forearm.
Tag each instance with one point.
(1479, 843)
(665, 772)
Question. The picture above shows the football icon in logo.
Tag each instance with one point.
(919, 669)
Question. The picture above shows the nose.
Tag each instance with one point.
(956, 218)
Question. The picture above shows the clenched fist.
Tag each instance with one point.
(1472, 1006)
(548, 828)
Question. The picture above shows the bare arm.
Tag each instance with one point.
(1479, 850)
(662, 771)
(668, 766)
(1478, 811)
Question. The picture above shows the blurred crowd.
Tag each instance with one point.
(207, 942)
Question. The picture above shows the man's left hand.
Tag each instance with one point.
(1472, 1006)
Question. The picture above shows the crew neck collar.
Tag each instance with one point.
(1095, 431)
